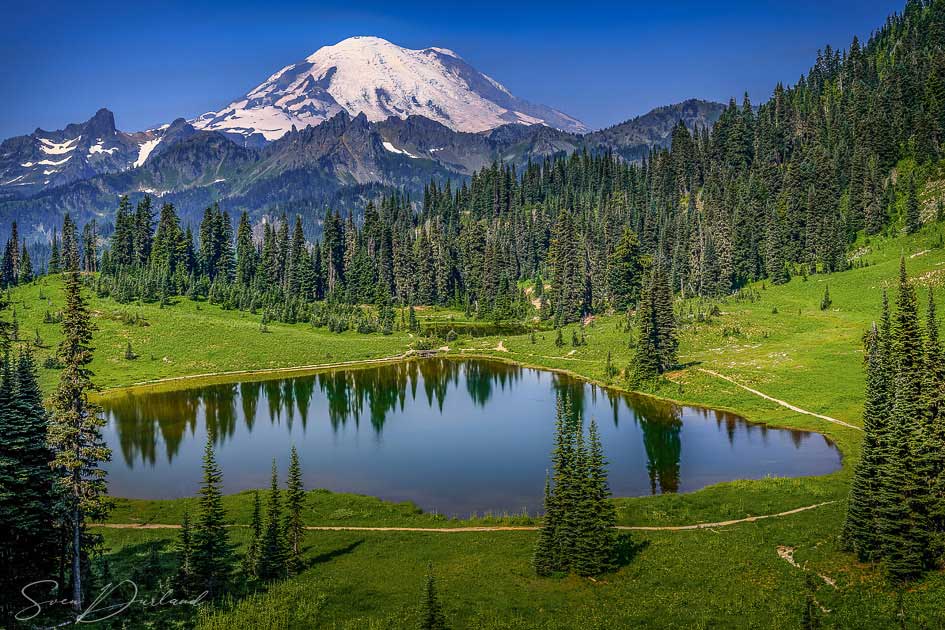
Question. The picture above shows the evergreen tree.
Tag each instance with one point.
(625, 271)
(913, 220)
(657, 342)
(272, 557)
(75, 431)
(253, 551)
(28, 494)
(859, 528)
(431, 611)
(184, 578)
(295, 504)
(212, 551)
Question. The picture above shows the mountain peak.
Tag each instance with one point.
(372, 76)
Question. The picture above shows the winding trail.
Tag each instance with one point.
(497, 528)
(780, 402)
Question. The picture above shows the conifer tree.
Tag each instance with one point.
(431, 610)
(272, 556)
(26, 266)
(184, 578)
(826, 302)
(545, 559)
(625, 271)
(75, 431)
(657, 342)
(54, 256)
(577, 532)
(295, 504)
(212, 551)
(859, 528)
(912, 219)
(28, 493)
(251, 560)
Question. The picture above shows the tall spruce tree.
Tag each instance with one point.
(577, 533)
(272, 555)
(28, 494)
(431, 610)
(295, 505)
(75, 431)
(212, 552)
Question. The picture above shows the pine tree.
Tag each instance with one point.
(826, 302)
(75, 432)
(26, 265)
(545, 557)
(602, 530)
(431, 611)
(272, 556)
(913, 221)
(212, 551)
(657, 342)
(54, 257)
(810, 618)
(625, 271)
(903, 500)
(184, 578)
(859, 528)
(29, 498)
(251, 560)
(295, 504)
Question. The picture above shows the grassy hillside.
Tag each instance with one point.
(773, 339)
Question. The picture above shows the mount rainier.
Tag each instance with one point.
(372, 76)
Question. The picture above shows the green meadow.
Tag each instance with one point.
(775, 339)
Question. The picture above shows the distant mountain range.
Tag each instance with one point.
(349, 121)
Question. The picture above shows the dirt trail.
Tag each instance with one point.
(780, 402)
(497, 528)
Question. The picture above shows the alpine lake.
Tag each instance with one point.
(458, 437)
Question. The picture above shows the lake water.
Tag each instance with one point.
(456, 437)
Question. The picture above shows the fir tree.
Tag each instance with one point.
(272, 555)
(75, 432)
(431, 611)
(29, 498)
(625, 271)
(913, 220)
(251, 560)
(184, 577)
(295, 504)
(212, 551)
(825, 301)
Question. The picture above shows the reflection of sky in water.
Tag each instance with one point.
(455, 437)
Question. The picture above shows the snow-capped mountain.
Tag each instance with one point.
(46, 159)
(372, 76)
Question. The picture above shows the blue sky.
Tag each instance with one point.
(151, 62)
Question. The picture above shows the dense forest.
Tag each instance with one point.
(771, 191)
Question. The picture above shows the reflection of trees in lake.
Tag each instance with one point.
(661, 425)
(349, 394)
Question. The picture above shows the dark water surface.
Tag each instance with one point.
(453, 436)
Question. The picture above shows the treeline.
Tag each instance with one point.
(896, 513)
(767, 192)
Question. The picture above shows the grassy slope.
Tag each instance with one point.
(725, 578)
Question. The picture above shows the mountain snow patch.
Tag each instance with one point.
(145, 151)
(393, 149)
(52, 148)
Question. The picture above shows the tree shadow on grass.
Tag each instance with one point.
(627, 549)
(328, 556)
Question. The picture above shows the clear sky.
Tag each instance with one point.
(151, 62)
